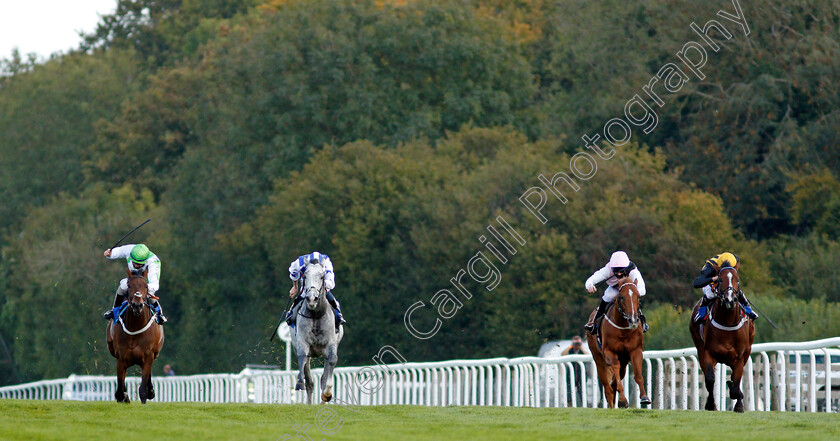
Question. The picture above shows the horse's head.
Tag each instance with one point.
(313, 285)
(628, 301)
(728, 287)
(138, 292)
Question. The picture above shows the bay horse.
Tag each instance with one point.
(134, 338)
(315, 334)
(622, 341)
(725, 336)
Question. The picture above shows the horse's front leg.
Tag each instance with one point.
(303, 361)
(330, 360)
(120, 394)
(614, 375)
(707, 363)
(637, 360)
(735, 385)
(310, 384)
(146, 390)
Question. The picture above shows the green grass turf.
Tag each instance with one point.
(62, 420)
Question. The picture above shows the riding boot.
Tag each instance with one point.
(292, 314)
(645, 326)
(746, 305)
(705, 302)
(119, 298)
(602, 309)
(159, 317)
(339, 318)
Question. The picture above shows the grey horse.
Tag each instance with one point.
(315, 334)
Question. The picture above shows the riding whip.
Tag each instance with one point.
(129, 234)
(762, 314)
(282, 319)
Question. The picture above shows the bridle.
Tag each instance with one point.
(321, 291)
(621, 309)
(721, 296)
(730, 290)
(136, 309)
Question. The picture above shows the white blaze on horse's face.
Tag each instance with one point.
(729, 290)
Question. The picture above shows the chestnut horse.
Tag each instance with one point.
(135, 338)
(622, 341)
(725, 336)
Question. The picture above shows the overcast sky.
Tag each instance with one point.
(47, 26)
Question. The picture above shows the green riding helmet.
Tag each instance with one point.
(140, 254)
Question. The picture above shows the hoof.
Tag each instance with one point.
(711, 406)
(645, 400)
(739, 407)
(326, 398)
(300, 386)
(151, 394)
(622, 404)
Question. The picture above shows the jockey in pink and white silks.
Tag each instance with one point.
(296, 270)
(618, 267)
(138, 258)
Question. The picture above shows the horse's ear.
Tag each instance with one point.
(128, 271)
(636, 282)
(146, 273)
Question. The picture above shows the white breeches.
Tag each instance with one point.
(123, 288)
(611, 292)
(707, 291)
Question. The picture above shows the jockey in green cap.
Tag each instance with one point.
(139, 259)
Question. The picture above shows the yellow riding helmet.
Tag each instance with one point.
(724, 260)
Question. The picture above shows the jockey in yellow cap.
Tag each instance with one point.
(708, 277)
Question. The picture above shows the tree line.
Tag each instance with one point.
(388, 134)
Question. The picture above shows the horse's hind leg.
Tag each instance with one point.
(709, 373)
(620, 372)
(330, 360)
(613, 366)
(303, 360)
(735, 386)
(121, 395)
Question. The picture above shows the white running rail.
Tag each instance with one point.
(778, 376)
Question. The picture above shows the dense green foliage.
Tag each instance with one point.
(389, 134)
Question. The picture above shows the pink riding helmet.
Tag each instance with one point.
(619, 259)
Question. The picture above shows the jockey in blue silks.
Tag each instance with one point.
(708, 279)
(296, 270)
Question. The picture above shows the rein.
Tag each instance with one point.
(145, 304)
(620, 310)
(719, 295)
(324, 311)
